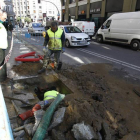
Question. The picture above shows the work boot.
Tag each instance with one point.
(42, 70)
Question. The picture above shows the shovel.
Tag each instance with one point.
(25, 103)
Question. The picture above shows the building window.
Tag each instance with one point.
(72, 1)
(34, 11)
(63, 2)
(50, 12)
(40, 7)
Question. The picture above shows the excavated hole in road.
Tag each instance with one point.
(98, 97)
(28, 85)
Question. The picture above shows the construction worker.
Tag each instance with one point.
(55, 39)
(49, 96)
(3, 45)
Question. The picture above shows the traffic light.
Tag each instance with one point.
(39, 1)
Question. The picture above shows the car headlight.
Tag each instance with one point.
(73, 38)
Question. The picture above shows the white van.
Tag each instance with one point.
(122, 28)
(85, 26)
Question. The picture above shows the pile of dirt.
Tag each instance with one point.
(99, 97)
(27, 68)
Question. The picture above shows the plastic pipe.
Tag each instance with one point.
(44, 124)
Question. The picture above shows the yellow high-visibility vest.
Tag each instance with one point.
(55, 42)
(50, 95)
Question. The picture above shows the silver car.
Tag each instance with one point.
(36, 28)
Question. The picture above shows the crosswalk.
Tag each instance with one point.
(24, 49)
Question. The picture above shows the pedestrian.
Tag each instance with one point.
(10, 27)
(6, 25)
(3, 45)
(55, 39)
(16, 25)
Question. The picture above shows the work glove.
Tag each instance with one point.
(45, 50)
(36, 107)
(63, 50)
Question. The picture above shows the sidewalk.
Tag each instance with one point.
(19, 47)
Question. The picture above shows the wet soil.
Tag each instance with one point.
(99, 95)
(27, 68)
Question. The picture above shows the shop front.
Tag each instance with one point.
(82, 11)
(72, 14)
(138, 5)
(63, 15)
(95, 14)
(113, 6)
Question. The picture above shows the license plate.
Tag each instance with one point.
(82, 42)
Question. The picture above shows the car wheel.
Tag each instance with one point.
(99, 39)
(135, 45)
(67, 44)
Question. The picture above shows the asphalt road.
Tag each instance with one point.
(120, 56)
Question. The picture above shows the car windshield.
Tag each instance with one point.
(72, 29)
(36, 25)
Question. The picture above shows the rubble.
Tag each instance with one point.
(57, 118)
(83, 132)
(106, 104)
(38, 116)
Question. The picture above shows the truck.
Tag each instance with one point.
(85, 26)
(121, 28)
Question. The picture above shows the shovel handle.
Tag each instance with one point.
(16, 99)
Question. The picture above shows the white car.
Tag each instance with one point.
(74, 36)
(36, 28)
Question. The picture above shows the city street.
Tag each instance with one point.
(120, 56)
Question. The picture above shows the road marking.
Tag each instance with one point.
(25, 51)
(106, 47)
(24, 48)
(33, 39)
(74, 58)
(112, 59)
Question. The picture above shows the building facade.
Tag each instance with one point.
(52, 8)
(28, 8)
(7, 6)
(35, 10)
(96, 10)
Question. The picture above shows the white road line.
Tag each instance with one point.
(74, 58)
(112, 59)
(25, 51)
(105, 47)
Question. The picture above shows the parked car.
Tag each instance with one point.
(74, 36)
(36, 28)
(85, 26)
(122, 28)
